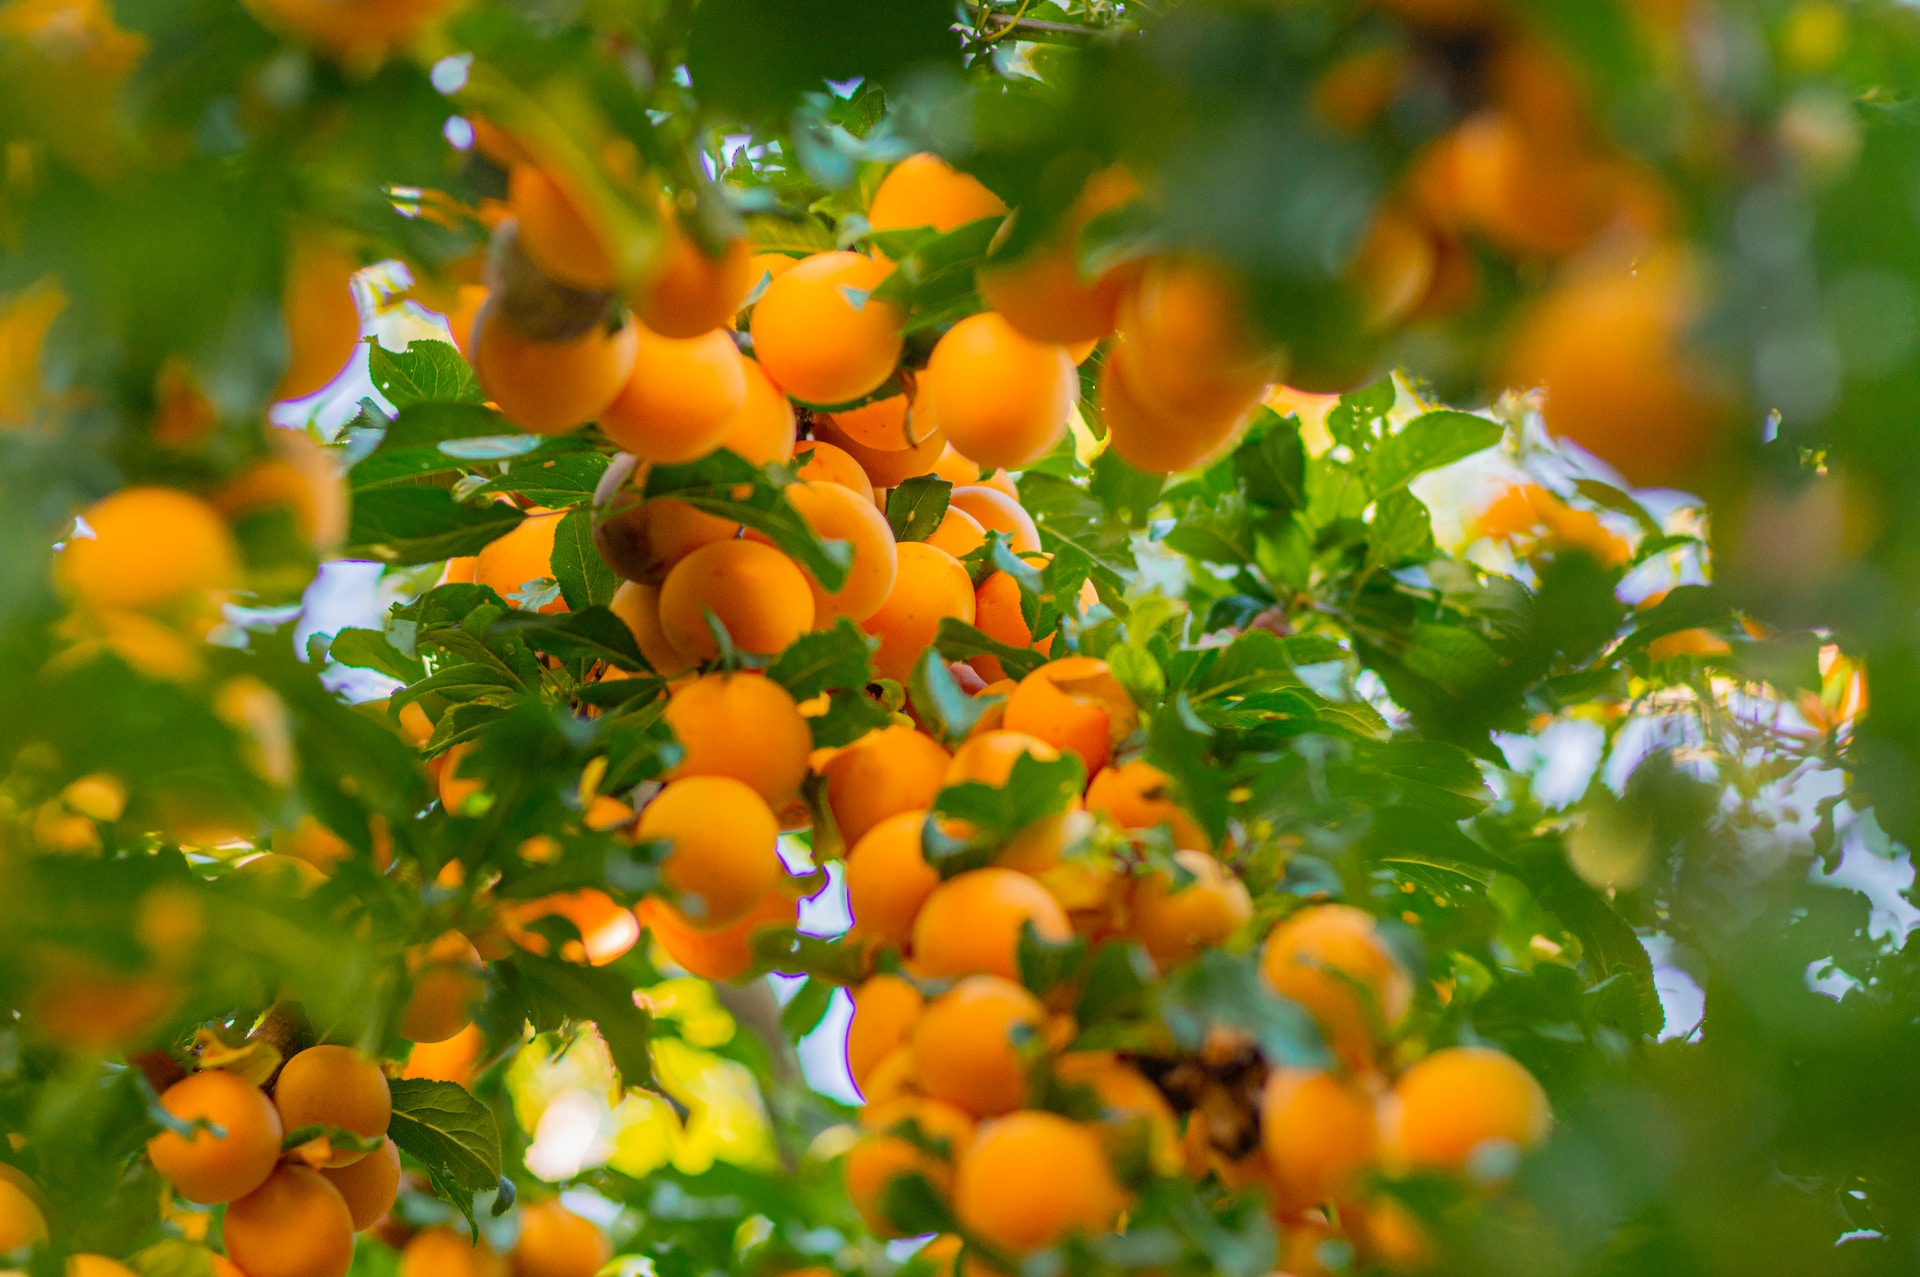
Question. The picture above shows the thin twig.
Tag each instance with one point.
(1034, 26)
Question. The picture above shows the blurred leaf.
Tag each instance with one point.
(370, 649)
(1426, 443)
(753, 58)
(423, 525)
(1225, 990)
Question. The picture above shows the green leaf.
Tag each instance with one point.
(730, 487)
(805, 1010)
(1271, 465)
(555, 482)
(1044, 965)
(423, 525)
(429, 424)
(957, 641)
(1428, 442)
(840, 657)
(172, 1257)
(372, 650)
(592, 634)
(1126, 493)
(585, 579)
(946, 710)
(851, 714)
(1401, 529)
(452, 1134)
(1069, 517)
(1035, 789)
(916, 506)
(1225, 990)
(425, 372)
(598, 994)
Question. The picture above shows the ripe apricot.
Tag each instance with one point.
(556, 233)
(1176, 923)
(322, 317)
(989, 756)
(681, 398)
(211, 1168)
(755, 591)
(689, 292)
(555, 1242)
(1330, 959)
(441, 1252)
(723, 834)
(299, 477)
(720, 953)
(837, 513)
(550, 387)
(21, 1223)
(997, 613)
(1319, 1134)
(350, 28)
(886, 469)
(1137, 795)
(924, 190)
(884, 1010)
(641, 539)
(888, 878)
(929, 586)
(762, 430)
(971, 924)
(741, 725)
(882, 1154)
(996, 511)
(882, 425)
(510, 563)
(819, 333)
(1394, 266)
(1074, 703)
(1459, 1099)
(294, 1225)
(1163, 443)
(1042, 292)
(369, 1186)
(1191, 351)
(959, 533)
(607, 929)
(446, 984)
(1609, 346)
(886, 772)
(25, 319)
(972, 1043)
(337, 1086)
(449, 1061)
(1128, 1102)
(639, 606)
(1029, 1179)
(955, 469)
(822, 462)
(1530, 195)
(146, 547)
(1003, 398)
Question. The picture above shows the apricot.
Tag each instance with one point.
(924, 190)
(720, 953)
(1609, 346)
(815, 341)
(1191, 351)
(996, 511)
(1128, 1102)
(1137, 795)
(1163, 443)
(350, 28)
(887, 468)
(1393, 269)
(955, 469)
(21, 1223)
(96, 1266)
(690, 292)
(450, 1061)
(988, 757)
(550, 387)
(822, 462)
(446, 984)
(294, 1225)
(929, 586)
(1029, 1179)
(555, 1242)
(763, 428)
(1042, 292)
(723, 835)
(888, 878)
(607, 929)
(997, 613)
(882, 425)
(1459, 1099)
(556, 234)
(681, 398)
(642, 539)
(300, 478)
(639, 606)
(1075, 704)
(441, 1252)
(322, 317)
(888, 771)
(884, 1011)
(881, 1155)
(972, 923)
(971, 1045)
(756, 592)
(1002, 398)
(210, 1168)
(741, 725)
(959, 533)
(369, 1186)
(837, 513)
(510, 563)
(1176, 923)
(334, 1086)
(1330, 959)
(146, 547)
(1319, 1134)
(25, 319)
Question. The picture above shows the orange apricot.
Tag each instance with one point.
(1460, 1099)
(924, 190)
(1161, 443)
(837, 513)
(1003, 398)
(756, 592)
(322, 317)
(550, 387)
(1191, 351)
(884, 1011)
(441, 1252)
(999, 512)
(369, 1186)
(1394, 266)
(1043, 294)
(555, 1242)
(930, 586)
(690, 292)
(741, 725)
(888, 878)
(886, 468)
(1030, 1178)
(1330, 959)
(449, 1061)
(723, 834)
(211, 1168)
(556, 234)
(988, 757)
(334, 1086)
(882, 425)
(145, 547)
(822, 462)
(25, 319)
(639, 606)
(1319, 1134)
(763, 429)
(294, 1225)
(21, 1221)
(883, 1155)
(1074, 703)
(299, 477)
(1137, 795)
(607, 929)
(681, 398)
(718, 953)
(886, 772)
(510, 563)
(446, 984)
(972, 1043)
(955, 469)
(1128, 1102)
(815, 341)
(1176, 922)
(98, 1266)
(998, 614)
(959, 533)
(971, 924)
(350, 29)
(642, 539)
